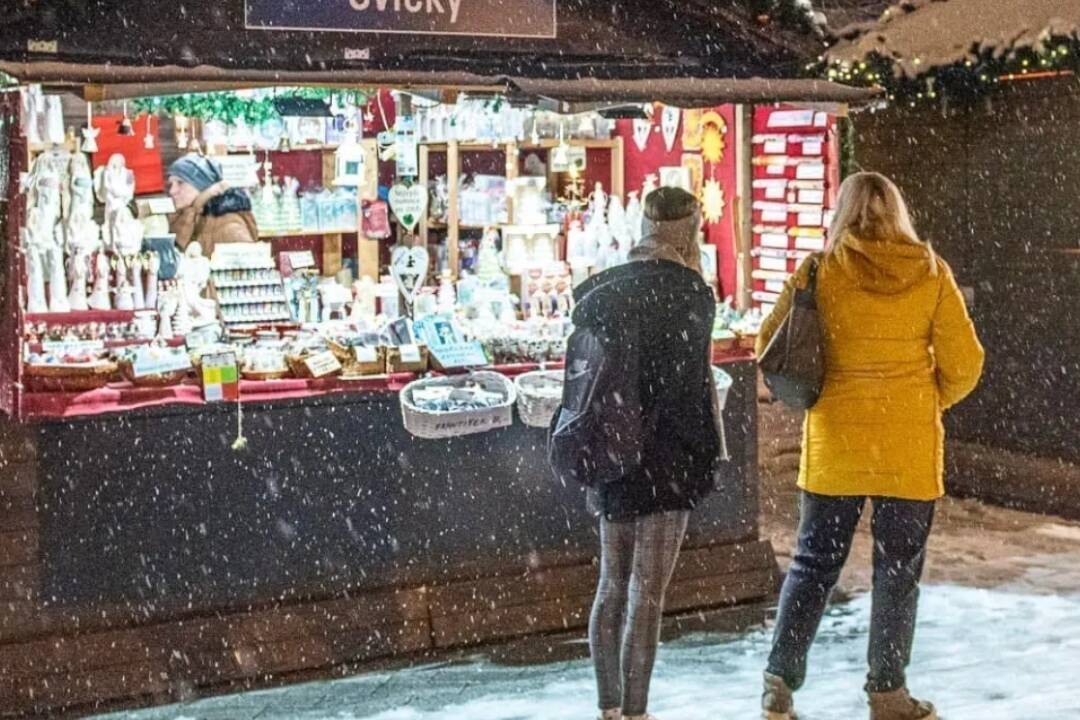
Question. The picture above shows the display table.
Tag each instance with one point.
(163, 559)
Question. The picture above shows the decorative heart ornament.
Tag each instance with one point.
(409, 204)
(409, 268)
(642, 128)
(669, 125)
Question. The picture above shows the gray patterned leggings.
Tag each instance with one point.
(636, 561)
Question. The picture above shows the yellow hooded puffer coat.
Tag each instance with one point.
(900, 348)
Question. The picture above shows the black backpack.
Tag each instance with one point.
(597, 434)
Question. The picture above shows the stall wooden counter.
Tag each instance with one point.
(141, 555)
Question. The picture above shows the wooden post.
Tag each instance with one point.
(331, 254)
(511, 173)
(744, 236)
(425, 154)
(453, 217)
(618, 169)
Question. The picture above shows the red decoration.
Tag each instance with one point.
(147, 165)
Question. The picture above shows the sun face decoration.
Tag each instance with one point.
(712, 201)
(713, 141)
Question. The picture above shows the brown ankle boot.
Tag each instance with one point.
(899, 705)
(776, 701)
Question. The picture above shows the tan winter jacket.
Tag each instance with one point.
(219, 215)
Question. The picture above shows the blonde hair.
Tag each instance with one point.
(871, 208)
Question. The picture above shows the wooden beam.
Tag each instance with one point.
(744, 174)
(453, 232)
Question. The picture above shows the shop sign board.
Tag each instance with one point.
(477, 18)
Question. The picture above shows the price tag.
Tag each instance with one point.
(75, 347)
(322, 364)
(147, 363)
(410, 353)
(301, 259)
(812, 148)
(366, 355)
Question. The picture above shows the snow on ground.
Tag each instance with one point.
(980, 654)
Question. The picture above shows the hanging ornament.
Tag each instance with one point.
(409, 203)
(642, 128)
(148, 141)
(691, 130)
(669, 125)
(89, 133)
(182, 124)
(713, 142)
(125, 128)
(712, 202)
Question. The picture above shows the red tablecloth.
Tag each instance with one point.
(122, 397)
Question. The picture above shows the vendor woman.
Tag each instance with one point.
(208, 210)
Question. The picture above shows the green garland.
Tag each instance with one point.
(970, 79)
(849, 164)
(229, 107)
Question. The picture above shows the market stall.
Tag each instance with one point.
(327, 445)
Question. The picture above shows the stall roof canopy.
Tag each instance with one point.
(105, 82)
(918, 35)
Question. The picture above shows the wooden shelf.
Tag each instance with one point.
(270, 234)
(75, 317)
(301, 148)
(501, 146)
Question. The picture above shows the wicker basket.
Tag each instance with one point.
(69, 378)
(261, 375)
(353, 367)
(535, 406)
(160, 380)
(724, 344)
(438, 425)
(394, 363)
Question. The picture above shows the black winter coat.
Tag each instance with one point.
(673, 310)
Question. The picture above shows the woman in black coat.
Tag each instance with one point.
(656, 314)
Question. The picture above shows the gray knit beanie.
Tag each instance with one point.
(196, 170)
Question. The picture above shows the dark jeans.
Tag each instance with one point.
(826, 529)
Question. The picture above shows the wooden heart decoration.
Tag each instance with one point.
(669, 125)
(409, 203)
(409, 268)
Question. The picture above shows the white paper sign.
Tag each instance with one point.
(774, 240)
(167, 362)
(774, 192)
(322, 364)
(810, 171)
(405, 147)
(812, 148)
(811, 197)
(821, 120)
(770, 216)
(771, 263)
(776, 147)
(366, 355)
(810, 219)
(410, 354)
(816, 244)
(775, 169)
(791, 118)
(774, 286)
(301, 259)
(239, 171)
(74, 347)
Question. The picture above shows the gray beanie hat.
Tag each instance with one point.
(196, 170)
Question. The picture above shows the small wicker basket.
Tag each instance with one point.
(539, 395)
(352, 366)
(439, 425)
(69, 378)
(158, 380)
(394, 363)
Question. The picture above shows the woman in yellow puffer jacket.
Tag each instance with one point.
(899, 350)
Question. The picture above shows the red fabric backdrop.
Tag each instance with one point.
(656, 155)
(149, 176)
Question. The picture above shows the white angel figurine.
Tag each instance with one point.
(54, 259)
(135, 267)
(99, 298)
(36, 301)
(33, 102)
(168, 302)
(194, 275)
(115, 187)
(78, 267)
(153, 266)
